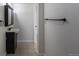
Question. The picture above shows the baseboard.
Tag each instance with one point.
(41, 54)
(3, 54)
(24, 40)
(70, 54)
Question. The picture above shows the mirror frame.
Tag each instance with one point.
(6, 7)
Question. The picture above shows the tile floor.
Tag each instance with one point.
(24, 49)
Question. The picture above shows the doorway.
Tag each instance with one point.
(24, 20)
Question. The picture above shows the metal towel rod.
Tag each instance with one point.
(63, 19)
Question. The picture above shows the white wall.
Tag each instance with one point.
(24, 21)
(1, 12)
(2, 32)
(41, 28)
(62, 38)
(2, 42)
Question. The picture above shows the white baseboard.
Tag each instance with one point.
(4, 54)
(73, 54)
(41, 54)
(24, 40)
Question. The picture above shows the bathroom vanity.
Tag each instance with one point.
(11, 32)
(8, 34)
(11, 40)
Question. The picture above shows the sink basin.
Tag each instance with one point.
(13, 30)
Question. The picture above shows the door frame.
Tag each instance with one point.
(39, 15)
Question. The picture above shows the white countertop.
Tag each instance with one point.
(13, 30)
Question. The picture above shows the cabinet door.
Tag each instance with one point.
(10, 42)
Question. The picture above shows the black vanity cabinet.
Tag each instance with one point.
(11, 43)
(11, 36)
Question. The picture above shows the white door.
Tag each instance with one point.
(62, 38)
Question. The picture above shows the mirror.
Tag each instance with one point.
(8, 15)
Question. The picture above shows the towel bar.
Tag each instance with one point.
(63, 19)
